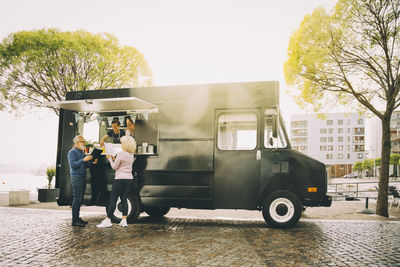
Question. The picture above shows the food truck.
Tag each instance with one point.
(207, 146)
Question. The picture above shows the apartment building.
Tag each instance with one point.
(336, 139)
(374, 135)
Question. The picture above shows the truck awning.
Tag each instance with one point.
(105, 105)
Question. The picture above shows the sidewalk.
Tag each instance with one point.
(340, 210)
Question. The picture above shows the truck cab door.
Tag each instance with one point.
(237, 158)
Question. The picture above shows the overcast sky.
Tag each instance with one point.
(184, 42)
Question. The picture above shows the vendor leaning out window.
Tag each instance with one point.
(115, 133)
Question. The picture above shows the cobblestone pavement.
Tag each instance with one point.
(45, 238)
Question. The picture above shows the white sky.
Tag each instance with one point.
(184, 42)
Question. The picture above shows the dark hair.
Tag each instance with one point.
(116, 120)
(128, 118)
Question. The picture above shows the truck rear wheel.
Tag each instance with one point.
(133, 209)
(156, 212)
(281, 209)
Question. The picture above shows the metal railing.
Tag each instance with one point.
(356, 190)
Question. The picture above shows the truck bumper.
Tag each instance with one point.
(326, 202)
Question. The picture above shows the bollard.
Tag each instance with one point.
(366, 210)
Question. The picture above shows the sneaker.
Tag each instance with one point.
(105, 223)
(123, 223)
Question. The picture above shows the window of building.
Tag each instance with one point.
(303, 124)
(322, 131)
(330, 131)
(358, 148)
(303, 148)
(299, 132)
(298, 124)
(340, 139)
(340, 130)
(340, 148)
(348, 138)
(340, 156)
(348, 121)
(360, 155)
(237, 131)
(322, 139)
(348, 130)
(330, 139)
(329, 122)
(358, 131)
(330, 148)
(360, 121)
(322, 148)
(348, 155)
(348, 147)
(340, 122)
(329, 156)
(358, 139)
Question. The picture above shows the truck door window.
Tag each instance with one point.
(269, 140)
(237, 131)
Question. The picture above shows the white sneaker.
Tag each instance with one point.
(123, 223)
(105, 223)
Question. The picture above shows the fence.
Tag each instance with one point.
(355, 190)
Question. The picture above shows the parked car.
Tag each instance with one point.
(350, 175)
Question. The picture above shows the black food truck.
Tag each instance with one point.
(209, 146)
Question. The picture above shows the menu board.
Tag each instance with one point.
(112, 149)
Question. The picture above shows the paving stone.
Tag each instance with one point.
(46, 238)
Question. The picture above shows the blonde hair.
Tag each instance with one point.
(128, 144)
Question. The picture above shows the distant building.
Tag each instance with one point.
(374, 135)
(336, 139)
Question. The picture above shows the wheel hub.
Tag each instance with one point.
(281, 209)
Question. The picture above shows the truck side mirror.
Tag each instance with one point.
(275, 126)
(271, 141)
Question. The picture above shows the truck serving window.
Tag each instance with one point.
(237, 131)
(269, 141)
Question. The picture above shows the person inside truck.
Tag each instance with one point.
(130, 126)
(115, 133)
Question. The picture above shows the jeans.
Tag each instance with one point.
(121, 188)
(78, 189)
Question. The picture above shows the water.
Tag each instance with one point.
(22, 181)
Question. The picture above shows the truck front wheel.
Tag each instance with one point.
(281, 209)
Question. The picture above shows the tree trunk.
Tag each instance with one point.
(383, 186)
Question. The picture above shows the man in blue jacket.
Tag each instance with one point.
(78, 162)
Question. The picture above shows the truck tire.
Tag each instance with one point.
(281, 209)
(133, 209)
(156, 212)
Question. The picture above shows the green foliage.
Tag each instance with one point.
(378, 161)
(88, 144)
(358, 166)
(347, 55)
(367, 164)
(50, 172)
(394, 159)
(43, 65)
